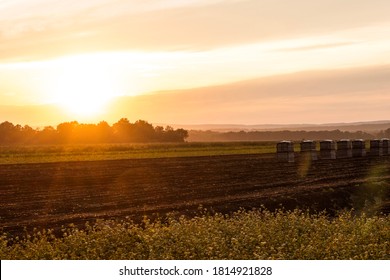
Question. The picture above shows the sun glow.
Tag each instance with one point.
(84, 87)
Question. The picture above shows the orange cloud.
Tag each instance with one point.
(41, 29)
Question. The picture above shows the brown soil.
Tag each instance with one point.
(53, 194)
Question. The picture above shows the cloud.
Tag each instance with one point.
(305, 97)
(317, 47)
(43, 28)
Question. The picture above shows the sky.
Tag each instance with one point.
(82, 54)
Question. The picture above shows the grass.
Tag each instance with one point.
(257, 234)
(61, 153)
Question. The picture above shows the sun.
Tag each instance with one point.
(83, 87)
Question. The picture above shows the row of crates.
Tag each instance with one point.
(330, 149)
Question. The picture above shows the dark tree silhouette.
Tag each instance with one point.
(73, 132)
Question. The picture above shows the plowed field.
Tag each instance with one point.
(53, 194)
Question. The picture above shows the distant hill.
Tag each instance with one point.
(373, 126)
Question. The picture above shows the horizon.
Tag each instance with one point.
(243, 62)
(226, 127)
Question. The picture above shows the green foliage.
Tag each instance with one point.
(59, 153)
(257, 234)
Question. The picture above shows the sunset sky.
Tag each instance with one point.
(81, 55)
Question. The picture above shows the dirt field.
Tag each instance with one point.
(53, 194)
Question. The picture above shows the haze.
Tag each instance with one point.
(188, 62)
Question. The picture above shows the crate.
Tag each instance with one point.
(285, 151)
(376, 147)
(344, 148)
(327, 149)
(358, 148)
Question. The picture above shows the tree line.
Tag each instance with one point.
(73, 132)
(213, 136)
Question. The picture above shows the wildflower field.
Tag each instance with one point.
(257, 234)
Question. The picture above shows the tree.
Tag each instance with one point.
(65, 131)
(178, 135)
(143, 132)
(74, 132)
(7, 131)
(47, 136)
(104, 132)
(122, 130)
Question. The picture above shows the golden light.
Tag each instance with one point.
(83, 86)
